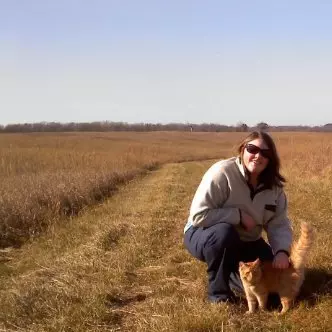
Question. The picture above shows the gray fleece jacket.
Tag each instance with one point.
(224, 191)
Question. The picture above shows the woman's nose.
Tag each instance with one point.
(258, 155)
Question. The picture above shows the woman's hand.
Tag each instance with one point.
(280, 261)
(247, 221)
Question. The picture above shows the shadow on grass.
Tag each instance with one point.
(318, 282)
(111, 239)
(120, 301)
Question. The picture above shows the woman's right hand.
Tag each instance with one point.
(247, 221)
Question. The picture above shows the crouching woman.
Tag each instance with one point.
(238, 199)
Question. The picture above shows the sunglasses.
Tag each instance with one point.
(253, 149)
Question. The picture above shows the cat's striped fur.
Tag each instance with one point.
(260, 278)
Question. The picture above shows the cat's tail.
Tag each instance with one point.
(301, 248)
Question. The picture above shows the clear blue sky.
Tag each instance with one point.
(166, 61)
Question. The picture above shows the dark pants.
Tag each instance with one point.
(221, 248)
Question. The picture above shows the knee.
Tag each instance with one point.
(221, 235)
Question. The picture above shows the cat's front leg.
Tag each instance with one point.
(251, 299)
(251, 306)
(262, 300)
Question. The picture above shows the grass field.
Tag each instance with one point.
(44, 176)
(97, 221)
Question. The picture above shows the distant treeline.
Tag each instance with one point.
(123, 126)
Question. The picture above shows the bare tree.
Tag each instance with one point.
(262, 126)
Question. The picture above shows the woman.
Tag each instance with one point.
(236, 199)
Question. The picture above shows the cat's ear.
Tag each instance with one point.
(257, 261)
(241, 264)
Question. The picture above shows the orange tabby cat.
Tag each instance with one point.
(260, 278)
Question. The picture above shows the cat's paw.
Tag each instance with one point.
(282, 312)
(249, 312)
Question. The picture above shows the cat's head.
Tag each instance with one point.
(250, 271)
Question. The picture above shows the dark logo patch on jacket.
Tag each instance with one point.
(271, 207)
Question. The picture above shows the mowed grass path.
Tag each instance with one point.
(121, 266)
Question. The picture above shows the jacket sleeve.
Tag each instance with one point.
(207, 206)
(278, 229)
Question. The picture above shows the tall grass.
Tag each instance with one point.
(47, 176)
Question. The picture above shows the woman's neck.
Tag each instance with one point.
(253, 180)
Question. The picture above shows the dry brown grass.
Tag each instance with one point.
(46, 176)
(121, 265)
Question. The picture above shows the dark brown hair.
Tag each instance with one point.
(271, 175)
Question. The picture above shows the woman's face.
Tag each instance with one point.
(254, 161)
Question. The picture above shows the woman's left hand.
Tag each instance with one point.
(280, 261)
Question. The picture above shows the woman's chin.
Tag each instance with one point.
(255, 170)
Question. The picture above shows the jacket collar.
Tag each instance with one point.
(245, 173)
(242, 169)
